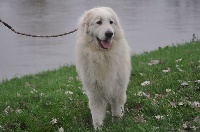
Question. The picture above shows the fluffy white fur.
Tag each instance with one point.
(103, 64)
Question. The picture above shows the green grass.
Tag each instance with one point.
(35, 100)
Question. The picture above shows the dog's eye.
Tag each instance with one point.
(111, 22)
(99, 22)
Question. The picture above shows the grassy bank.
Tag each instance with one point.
(163, 95)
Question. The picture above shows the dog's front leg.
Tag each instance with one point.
(98, 110)
(117, 107)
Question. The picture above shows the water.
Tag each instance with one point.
(148, 24)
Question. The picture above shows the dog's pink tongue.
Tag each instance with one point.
(106, 44)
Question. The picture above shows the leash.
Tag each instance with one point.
(40, 36)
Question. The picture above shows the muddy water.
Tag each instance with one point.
(148, 24)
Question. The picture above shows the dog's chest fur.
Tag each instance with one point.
(101, 70)
(102, 66)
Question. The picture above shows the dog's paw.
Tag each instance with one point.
(116, 118)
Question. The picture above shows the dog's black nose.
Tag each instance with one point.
(108, 34)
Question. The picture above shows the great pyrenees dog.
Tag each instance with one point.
(103, 62)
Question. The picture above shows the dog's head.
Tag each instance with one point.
(101, 25)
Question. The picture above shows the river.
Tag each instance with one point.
(148, 24)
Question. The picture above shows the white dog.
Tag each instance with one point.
(103, 62)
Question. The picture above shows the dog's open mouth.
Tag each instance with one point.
(105, 44)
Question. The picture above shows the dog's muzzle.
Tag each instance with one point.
(106, 44)
(108, 34)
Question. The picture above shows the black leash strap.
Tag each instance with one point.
(31, 35)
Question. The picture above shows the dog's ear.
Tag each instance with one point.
(85, 21)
